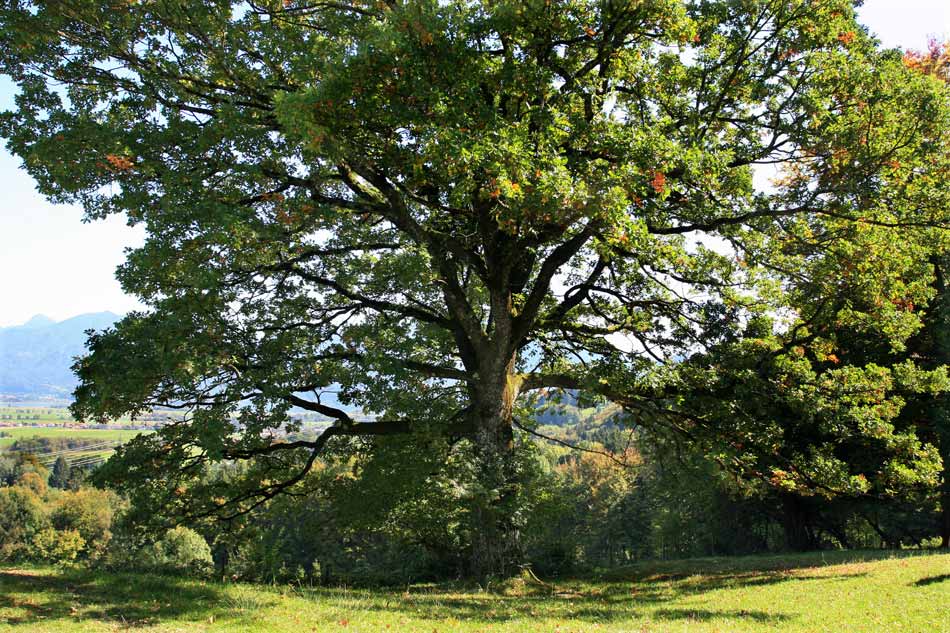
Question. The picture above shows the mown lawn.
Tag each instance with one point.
(839, 592)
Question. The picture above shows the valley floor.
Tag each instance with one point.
(831, 591)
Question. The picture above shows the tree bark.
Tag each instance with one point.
(496, 539)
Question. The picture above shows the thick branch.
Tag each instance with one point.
(558, 257)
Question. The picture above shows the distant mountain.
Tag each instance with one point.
(40, 320)
(35, 357)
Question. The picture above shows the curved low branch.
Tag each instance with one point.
(573, 447)
(261, 495)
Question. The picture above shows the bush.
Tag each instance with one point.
(22, 515)
(180, 550)
(89, 512)
(58, 546)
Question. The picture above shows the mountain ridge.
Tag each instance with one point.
(37, 320)
(36, 356)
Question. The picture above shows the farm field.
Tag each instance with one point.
(19, 422)
(20, 414)
(24, 414)
(831, 591)
(98, 444)
(44, 422)
(17, 432)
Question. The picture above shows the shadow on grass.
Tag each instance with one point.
(932, 580)
(501, 609)
(653, 590)
(759, 564)
(128, 600)
(650, 590)
(703, 615)
(664, 588)
(597, 602)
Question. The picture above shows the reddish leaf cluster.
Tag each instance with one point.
(934, 61)
(846, 37)
(119, 163)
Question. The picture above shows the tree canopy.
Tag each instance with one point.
(433, 209)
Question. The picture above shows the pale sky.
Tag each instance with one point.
(53, 264)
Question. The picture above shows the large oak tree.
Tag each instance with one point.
(435, 208)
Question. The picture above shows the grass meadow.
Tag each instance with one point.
(832, 591)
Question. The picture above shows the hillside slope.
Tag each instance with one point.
(832, 591)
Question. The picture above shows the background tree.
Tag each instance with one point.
(15, 466)
(932, 344)
(434, 208)
(817, 411)
(59, 476)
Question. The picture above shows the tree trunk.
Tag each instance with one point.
(798, 536)
(943, 437)
(945, 514)
(496, 540)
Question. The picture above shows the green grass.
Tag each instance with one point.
(840, 591)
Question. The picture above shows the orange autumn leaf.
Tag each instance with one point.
(119, 163)
(659, 181)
